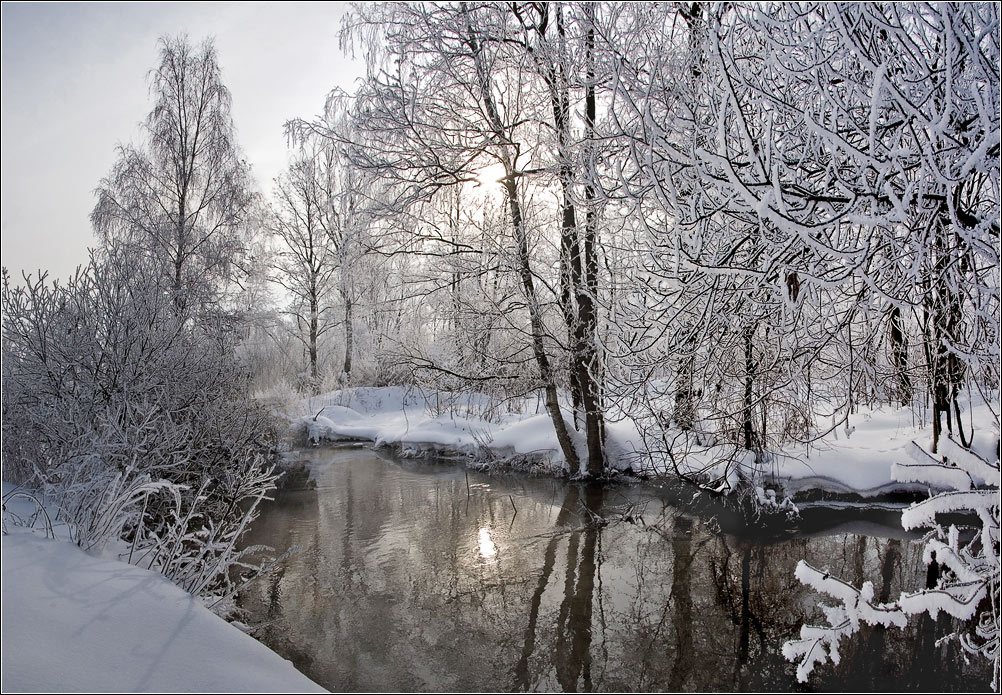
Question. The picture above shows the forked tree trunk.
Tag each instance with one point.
(578, 255)
(537, 330)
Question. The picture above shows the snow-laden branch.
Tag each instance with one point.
(968, 588)
(818, 644)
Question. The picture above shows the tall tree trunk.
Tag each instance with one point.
(587, 357)
(578, 256)
(748, 425)
(349, 336)
(899, 355)
(570, 252)
(537, 330)
(314, 330)
(948, 370)
(180, 301)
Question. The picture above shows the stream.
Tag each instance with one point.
(425, 576)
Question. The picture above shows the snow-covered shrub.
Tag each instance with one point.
(968, 583)
(133, 417)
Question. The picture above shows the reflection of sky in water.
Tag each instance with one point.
(487, 548)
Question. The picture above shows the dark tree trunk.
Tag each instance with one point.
(552, 401)
(571, 272)
(349, 337)
(587, 357)
(314, 330)
(899, 356)
(748, 425)
(947, 370)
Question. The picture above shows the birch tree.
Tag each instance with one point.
(183, 195)
(306, 261)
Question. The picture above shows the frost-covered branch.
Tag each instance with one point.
(969, 583)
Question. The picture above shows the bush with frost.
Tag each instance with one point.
(133, 418)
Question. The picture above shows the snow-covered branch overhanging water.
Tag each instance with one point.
(752, 247)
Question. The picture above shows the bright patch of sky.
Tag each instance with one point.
(74, 87)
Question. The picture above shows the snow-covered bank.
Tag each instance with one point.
(418, 422)
(77, 623)
(855, 457)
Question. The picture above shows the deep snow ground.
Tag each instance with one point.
(72, 622)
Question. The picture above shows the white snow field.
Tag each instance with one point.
(77, 623)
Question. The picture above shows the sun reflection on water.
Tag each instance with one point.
(488, 550)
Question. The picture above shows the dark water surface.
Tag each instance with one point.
(406, 581)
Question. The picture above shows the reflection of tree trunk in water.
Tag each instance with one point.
(575, 610)
(873, 657)
(344, 624)
(275, 592)
(681, 602)
(549, 557)
(349, 528)
(573, 652)
(566, 673)
(746, 620)
(859, 556)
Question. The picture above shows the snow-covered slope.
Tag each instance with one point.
(77, 623)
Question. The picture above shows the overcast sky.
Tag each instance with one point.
(74, 86)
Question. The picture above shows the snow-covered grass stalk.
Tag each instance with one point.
(968, 586)
(198, 551)
(32, 519)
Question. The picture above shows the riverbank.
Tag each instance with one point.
(73, 622)
(852, 460)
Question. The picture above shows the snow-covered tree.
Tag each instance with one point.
(306, 259)
(183, 195)
(446, 97)
(797, 186)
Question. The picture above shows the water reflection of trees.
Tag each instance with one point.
(571, 650)
(393, 592)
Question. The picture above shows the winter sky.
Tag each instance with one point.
(74, 86)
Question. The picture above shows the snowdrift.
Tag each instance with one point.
(77, 623)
